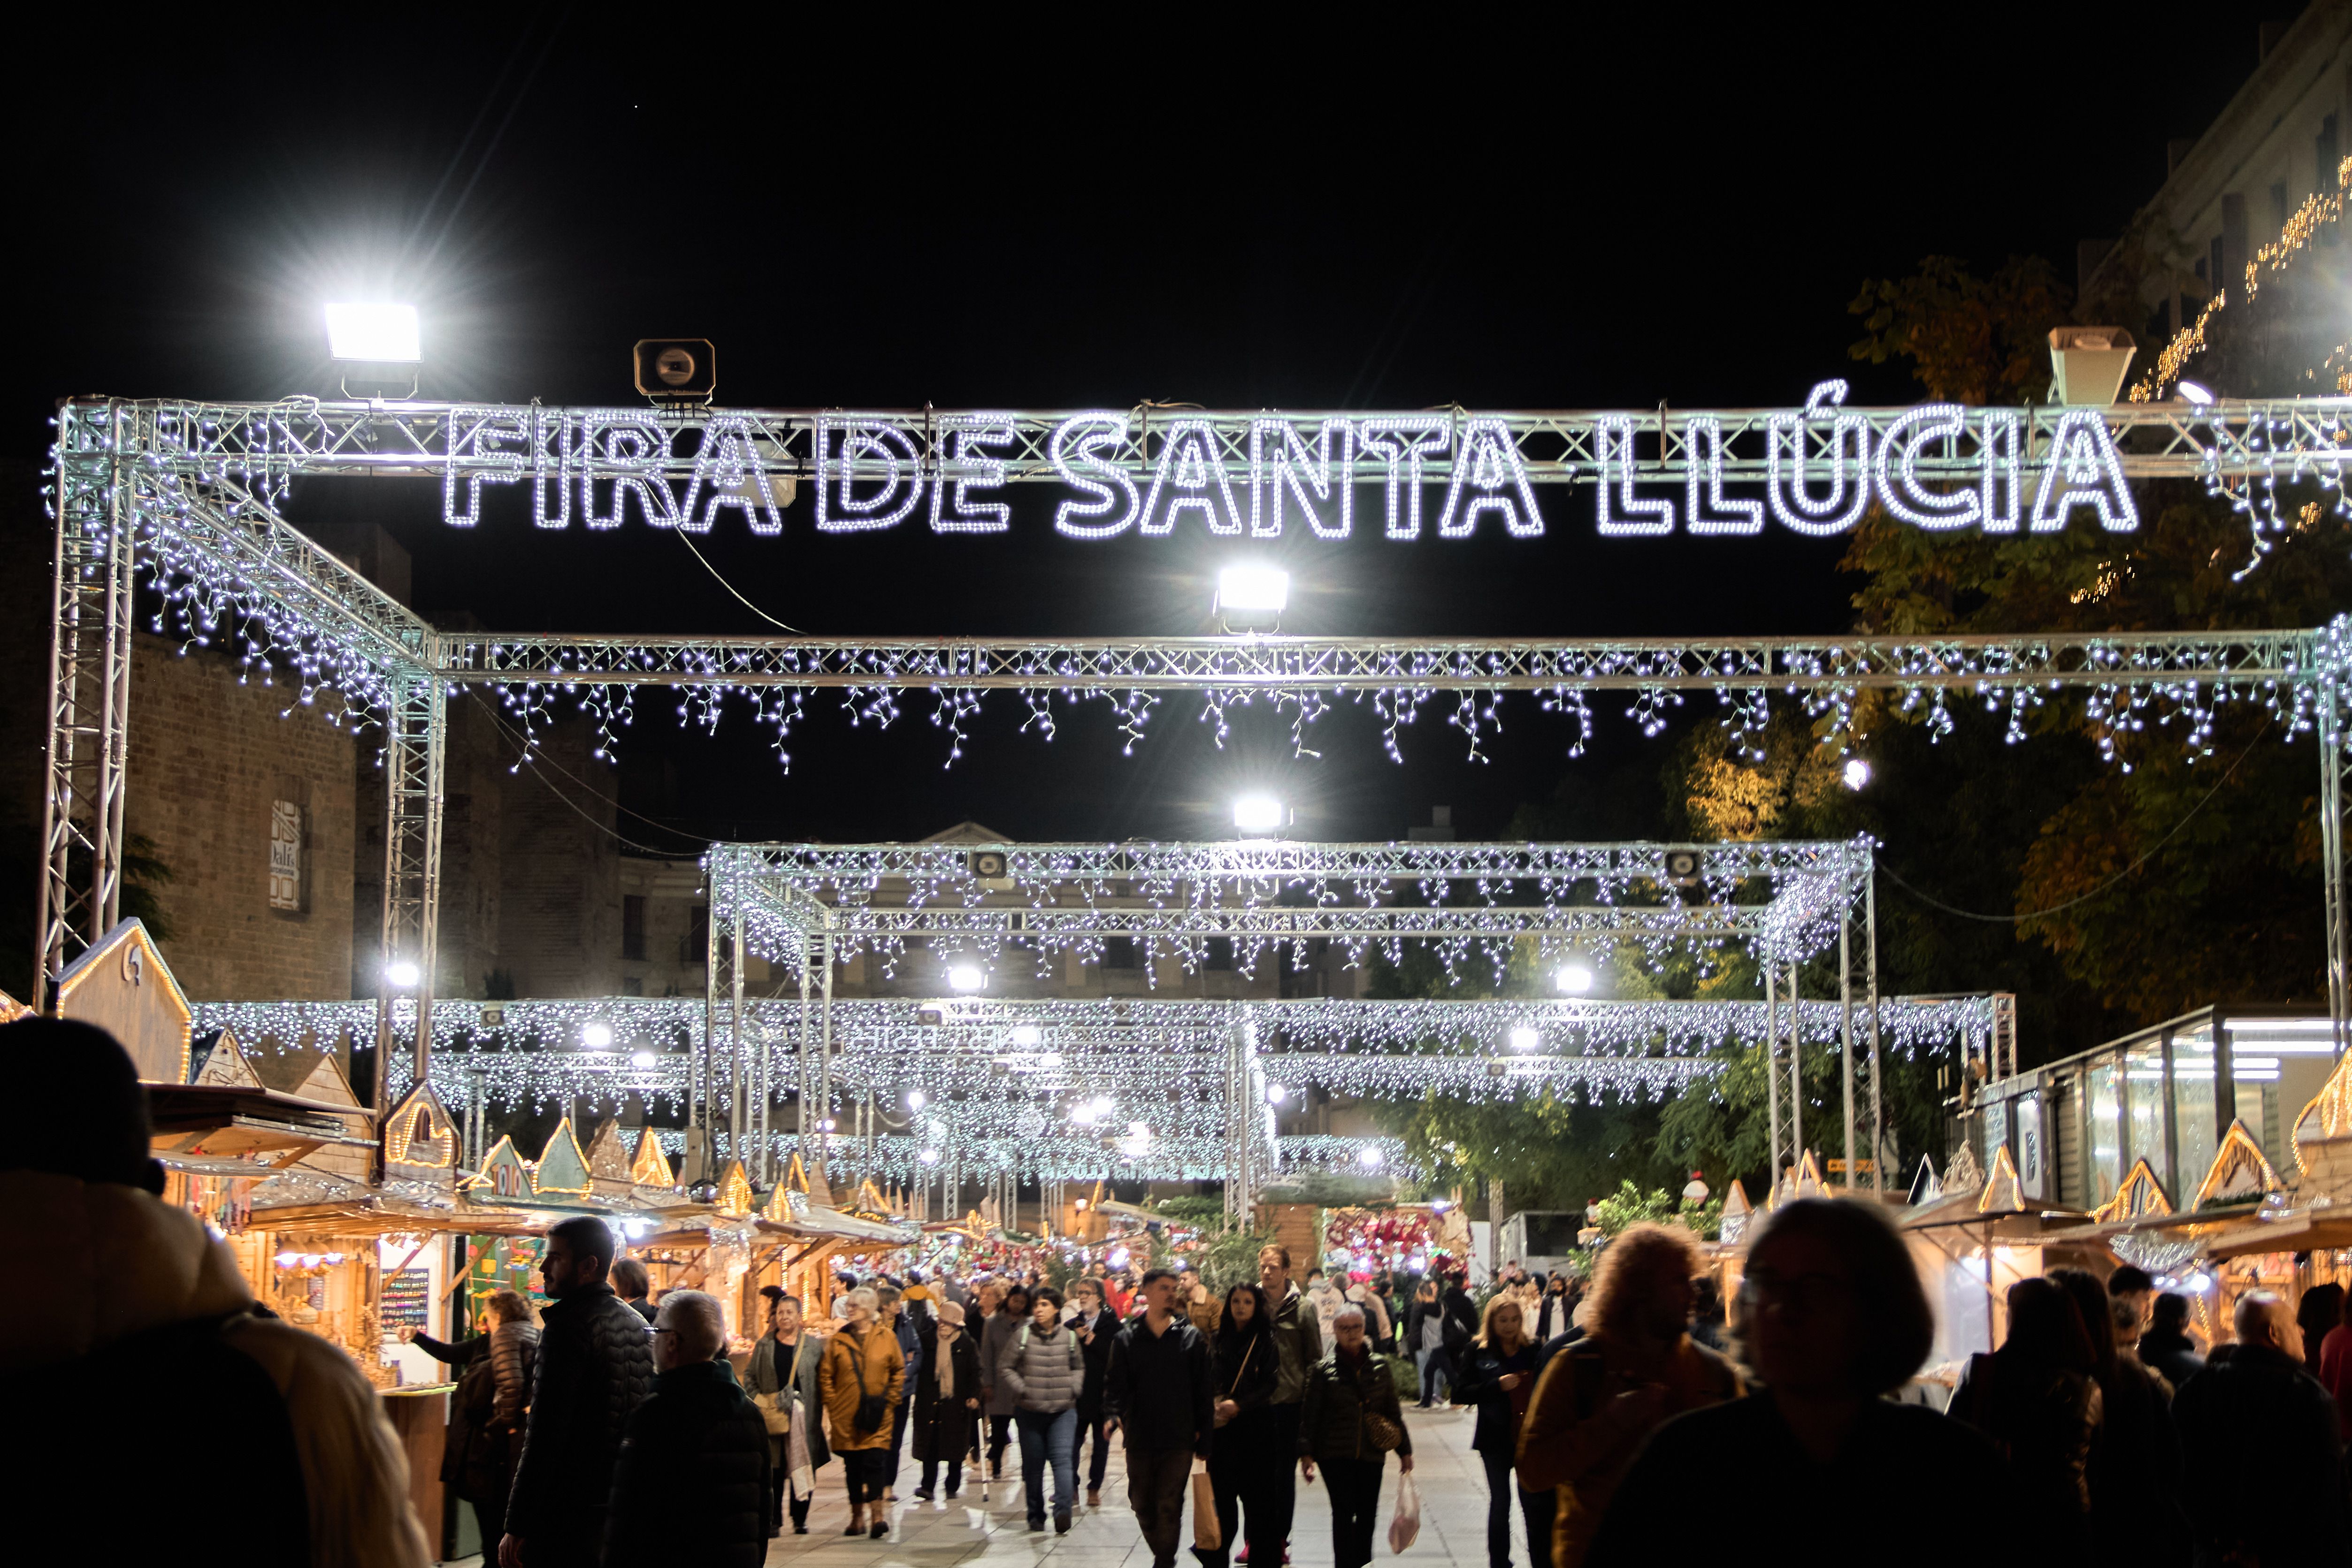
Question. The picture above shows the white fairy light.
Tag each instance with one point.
(1312, 479)
(1790, 465)
(1900, 490)
(2084, 471)
(1705, 507)
(865, 443)
(968, 468)
(1619, 512)
(1401, 443)
(1190, 476)
(1078, 458)
(1489, 477)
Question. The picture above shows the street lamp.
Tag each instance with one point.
(1260, 814)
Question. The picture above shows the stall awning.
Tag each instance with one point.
(2305, 1231)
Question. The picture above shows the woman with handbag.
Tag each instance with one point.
(478, 1457)
(1498, 1376)
(945, 1411)
(1247, 1468)
(1349, 1422)
(862, 1378)
(783, 1378)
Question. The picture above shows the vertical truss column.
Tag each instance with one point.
(80, 895)
(739, 1112)
(1776, 1126)
(415, 725)
(2332, 767)
(1846, 1034)
(1796, 1074)
(1873, 1103)
(721, 1002)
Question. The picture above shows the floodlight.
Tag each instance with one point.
(373, 334)
(1526, 1038)
(642, 1058)
(1369, 1157)
(914, 1099)
(1275, 1093)
(1252, 590)
(930, 1156)
(402, 973)
(1260, 814)
(1026, 1034)
(966, 977)
(1856, 773)
(1573, 979)
(2194, 392)
(597, 1036)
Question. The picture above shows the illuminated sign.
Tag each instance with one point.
(1151, 473)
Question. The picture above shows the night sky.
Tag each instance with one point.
(886, 208)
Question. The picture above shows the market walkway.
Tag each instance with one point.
(948, 1535)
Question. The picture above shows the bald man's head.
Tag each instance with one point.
(2263, 1318)
(694, 1323)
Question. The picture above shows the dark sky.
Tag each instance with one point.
(885, 208)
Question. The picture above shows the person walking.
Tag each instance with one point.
(1551, 1317)
(892, 1307)
(862, 1379)
(596, 1366)
(1498, 1376)
(1096, 1327)
(1376, 1315)
(2259, 1436)
(1323, 1294)
(1425, 1337)
(946, 1403)
(2166, 1345)
(485, 1412)
(690, 1486)
(1349, 1420)
(135, 1302)
(1044, 1369)
(1831, 1317)
(1298, 1338)
(1157, 1395)
(2135, 1468)
(1011, 1312)
(1246, 1458)
(2318, 1314)
(2035, 1397)
(1598, 1399)
(782, 1377)
(634, 1285)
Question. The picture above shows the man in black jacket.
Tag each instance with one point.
(1158, 1392)
(595, 1363)
(1097, 1326)
(2259, 1433)
(692, 1486)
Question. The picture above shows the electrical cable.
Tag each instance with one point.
(1936, 903)
(733, 589)
(535, 758)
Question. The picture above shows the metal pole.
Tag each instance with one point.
(1776, 1129)
(1877, 1099)
(825, 1057)
(1846, 1030)
(738, 1118)
(2331, 853)
(1796, 1070)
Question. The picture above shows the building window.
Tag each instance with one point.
(633, 987)
(1118, 953)
(285, 856)
(696, 948)
(1220, 954)
(633, 926)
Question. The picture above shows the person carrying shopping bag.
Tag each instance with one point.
(1349, 1420)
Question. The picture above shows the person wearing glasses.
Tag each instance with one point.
(1596, 1402)
(1832, 1318)
(691, 1482)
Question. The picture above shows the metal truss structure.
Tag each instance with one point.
(194, 493)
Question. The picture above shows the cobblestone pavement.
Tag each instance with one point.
(995, 1532)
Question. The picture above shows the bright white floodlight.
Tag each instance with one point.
(375, 334)
(966, 977)
(597, 1036)
(1252, 590)
(1369, 1157)
(403, 973)
(1573, 979)
(1275, 1093)
(643, 1059)
(1526, 1038)
(930, 1156)
(1856, 773)
(1259, 814)
(915, 1100)
(2195, 393)
(1027, 1035)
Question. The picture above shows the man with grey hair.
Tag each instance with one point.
(692, 1486)
(2259, 1436)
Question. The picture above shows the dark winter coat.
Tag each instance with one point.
(2045, 1421)
(1461, 1321)
(595, 1366)
(1340, 1392)
(1244, 1368)
(2173, 1354)
(485, 1412)
(691, 1484)
(1478, 1382)
(1158, 1387)
(1298, 1336)
(1097, 1353)
(2259, 1441)
(943, 1430)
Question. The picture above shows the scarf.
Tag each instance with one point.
(946, 1359)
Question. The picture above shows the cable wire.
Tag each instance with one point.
(732, 589)
(1933, 901)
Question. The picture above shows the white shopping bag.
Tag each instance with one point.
(1404, 1527)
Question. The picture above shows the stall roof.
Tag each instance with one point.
(2306, 1230)
(235, 1119)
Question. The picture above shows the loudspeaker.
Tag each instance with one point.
(682, 368)
(1683, 867)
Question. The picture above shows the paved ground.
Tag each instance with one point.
(968, 1531)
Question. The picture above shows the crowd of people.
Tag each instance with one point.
(610, 1426)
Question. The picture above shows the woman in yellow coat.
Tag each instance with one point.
(862, 1379)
